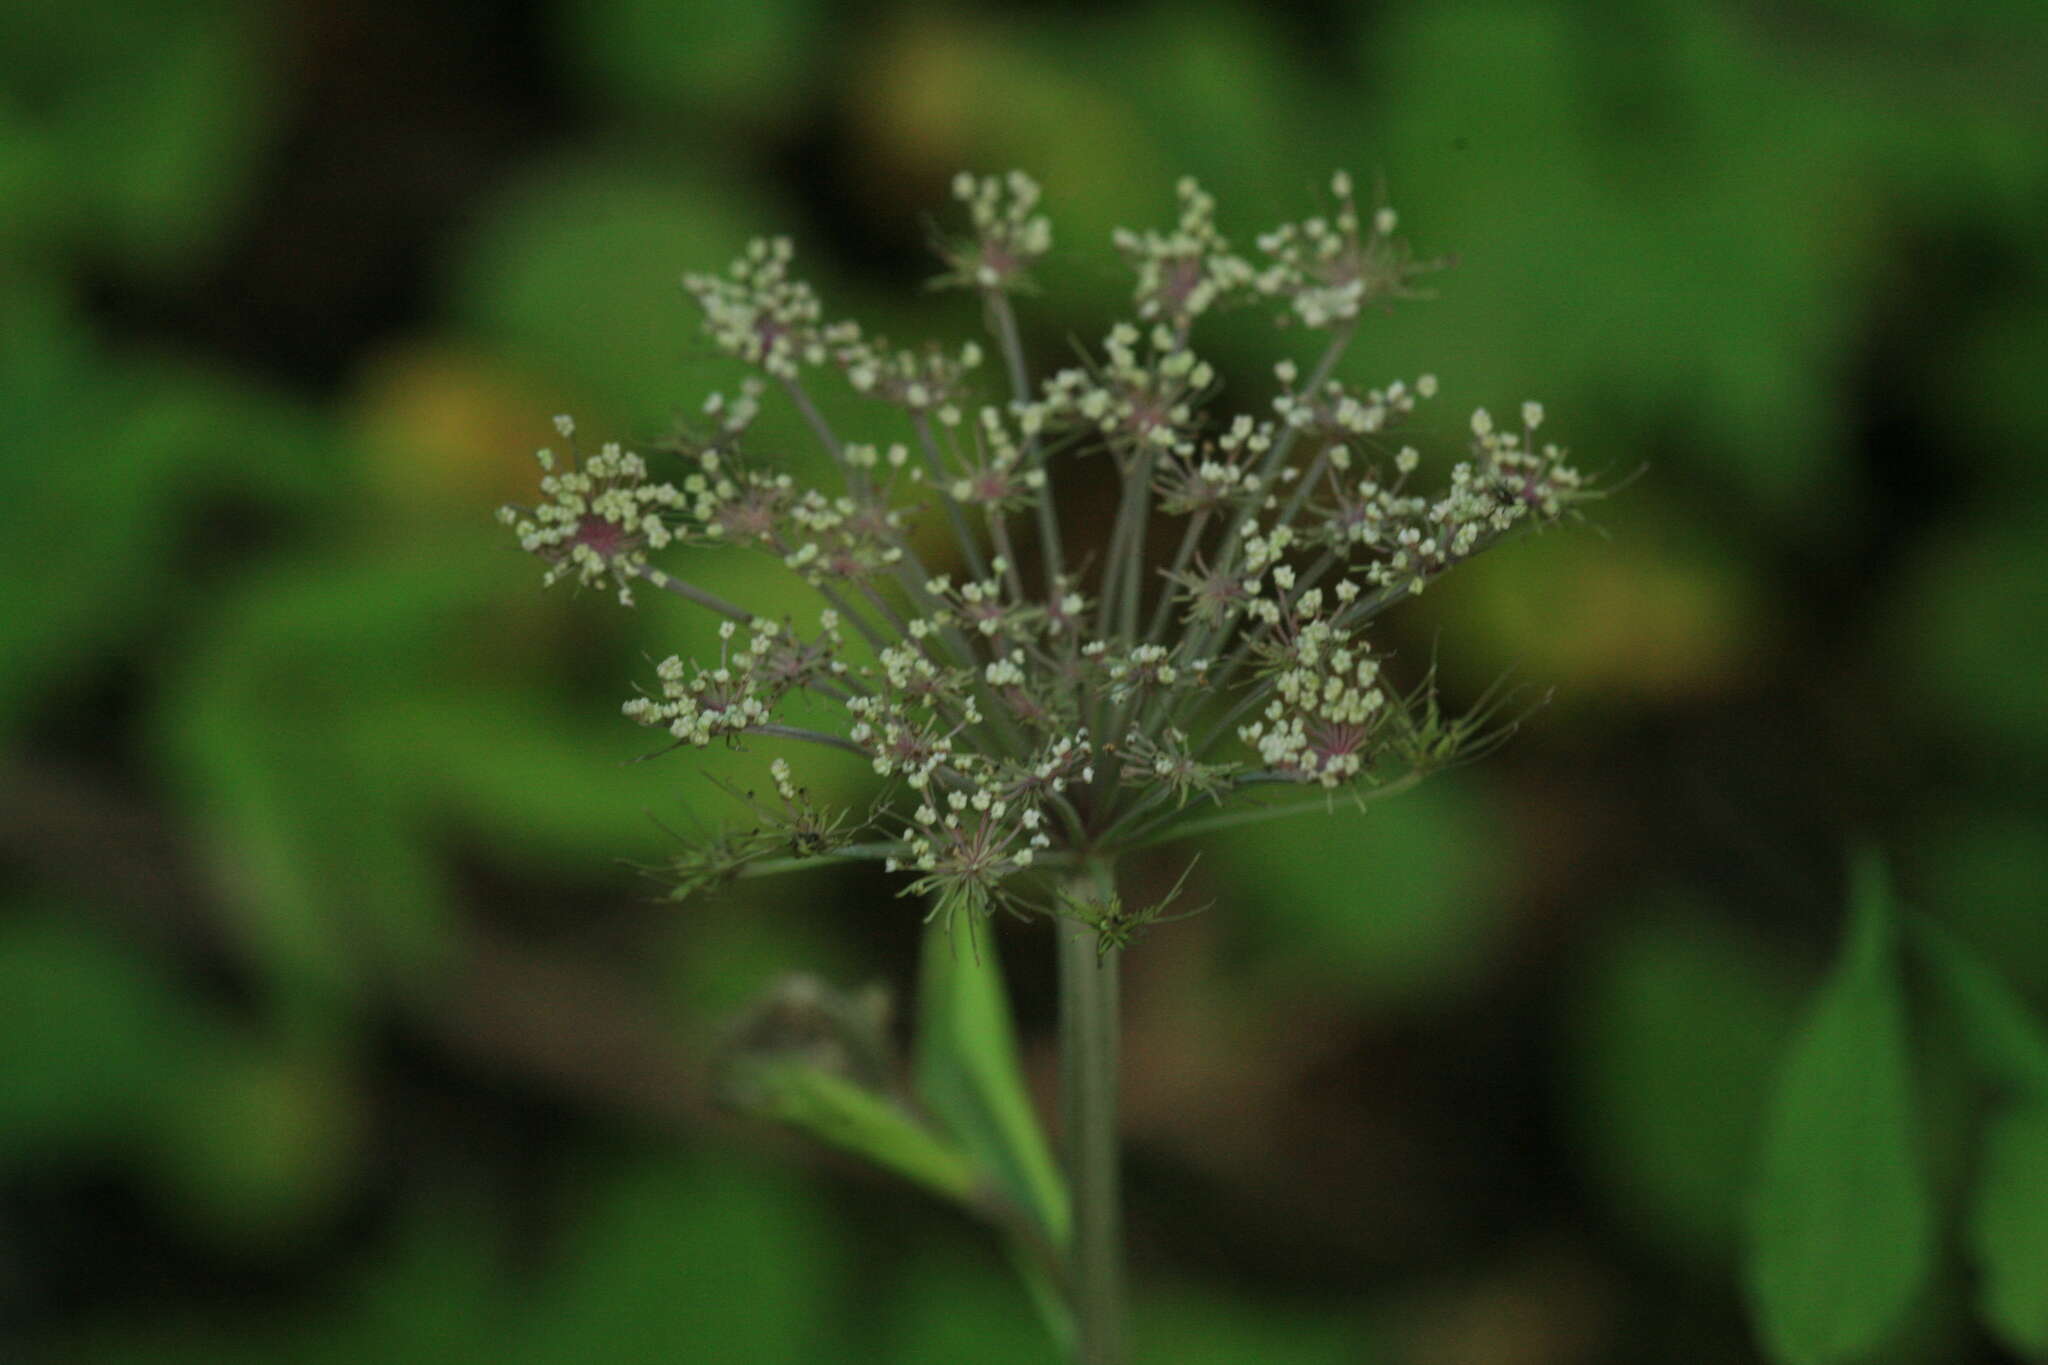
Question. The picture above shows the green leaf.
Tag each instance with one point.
(1677, 1031)
(838, 1111)
(967, 1072)
(720, 1263)
(1400, 904)
(311, 817)
(102, 517)
(1841, 1222)
(820, 1060)
(752, 57)
(604, 243)
(178, 142)
(94, 1041)
(1965, 663)
(259, 1147)
(954, 1307)
(2009, 1229)
(1997, 1026)
(172, 105)
(1208, 1325)
(1981, 865)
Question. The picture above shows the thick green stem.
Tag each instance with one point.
(1088, 1076)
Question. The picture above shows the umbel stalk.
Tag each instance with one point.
(1088, 1082)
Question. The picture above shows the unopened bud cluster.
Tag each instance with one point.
(1034, 697)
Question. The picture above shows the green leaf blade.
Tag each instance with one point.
(968, 1076)
(2008, 1229)
(1842, 1226)
(837, 1111)
(2002, 1033)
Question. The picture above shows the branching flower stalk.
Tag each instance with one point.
(1035, 709)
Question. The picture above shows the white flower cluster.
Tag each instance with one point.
(1535, 477)
(1146, 670)
(758, 313)
(1010, 234)
(1204, 478)
(1326, 701)
(1335, 412)
(974, 841)
(1363, 508)
(1182, 273)
(699, 704)
(1030, 708)
(1328, 269)
(1143, 396)
(991, 825)
(995, 474)
(602, 515)
(926, 381)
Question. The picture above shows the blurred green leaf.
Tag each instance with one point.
(1220, 90)
(2004, 1035)
(942, 91)
(960, 1307)
(339, 724)
(2009, 1228)
(1657, 606)
(1960, 633)
(127, 451)
(309, 816)
(1399, 903)
(34, 207)
(2001, 22)
(576, 272)
(1842, 1224)
(665, 1260)
(1984, 866)
(731, 948)
(168, 104)
(546, 789)
(1574, 228)
(1207, 1327)
(436, 1292)
(257, 1145)
(955, 1308)
(1677, 1030)
(176, 141)
(697, 1261)
(967, 1070)
(1991, 384)
(751, 57)
(93, 1040)
(433, 1292)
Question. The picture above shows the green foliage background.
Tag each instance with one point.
(332, 1026)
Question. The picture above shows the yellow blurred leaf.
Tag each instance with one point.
(450, 430)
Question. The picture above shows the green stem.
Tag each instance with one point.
(1002, 320)
(1088, 1076)
(942, 483)
(1189, 539)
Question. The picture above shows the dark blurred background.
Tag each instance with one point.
(334, 1025)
